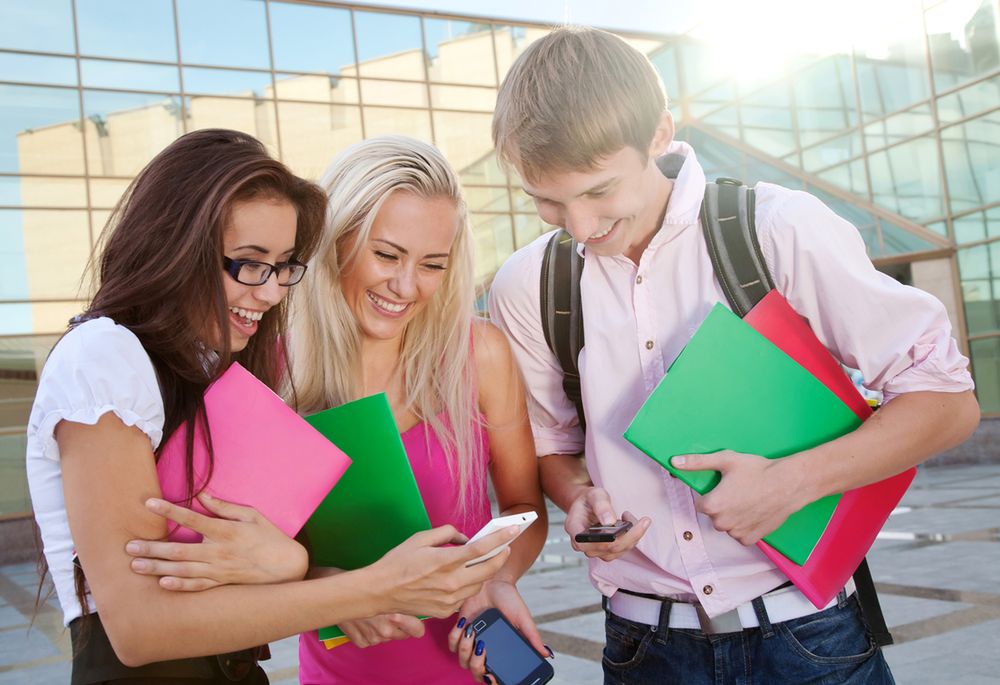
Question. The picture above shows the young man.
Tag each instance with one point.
(582, 118)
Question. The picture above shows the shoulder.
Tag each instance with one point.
(490, 347)
(98, 339)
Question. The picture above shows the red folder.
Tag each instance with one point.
(265, 456)
(861, 512)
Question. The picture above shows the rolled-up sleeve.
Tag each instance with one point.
(514, 307)
(898, 336)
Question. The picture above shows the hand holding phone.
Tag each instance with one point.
(509, 656)
(601, 533)
(522, 521)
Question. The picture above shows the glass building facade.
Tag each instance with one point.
(899, 133)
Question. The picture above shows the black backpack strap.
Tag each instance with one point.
(562, 311)
(727, 219)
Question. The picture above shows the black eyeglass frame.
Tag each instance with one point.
(234, 266)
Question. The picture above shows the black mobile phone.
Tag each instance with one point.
(603, 533)
(509, 656)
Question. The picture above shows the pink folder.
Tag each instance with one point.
(266, 456)
(862, 512)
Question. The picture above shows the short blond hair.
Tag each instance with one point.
(573, 97)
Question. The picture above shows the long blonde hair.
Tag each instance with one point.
(436, 363)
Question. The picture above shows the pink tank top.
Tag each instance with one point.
(423, 660)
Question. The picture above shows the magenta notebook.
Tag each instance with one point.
(860, 513)
(266, 456)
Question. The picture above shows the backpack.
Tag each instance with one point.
(727, 222)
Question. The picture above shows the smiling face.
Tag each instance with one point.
(613, 208)
(396, 273)
(261, 230)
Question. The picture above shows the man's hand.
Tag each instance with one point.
(593, 507)
(754, 497)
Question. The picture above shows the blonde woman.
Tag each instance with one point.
(390, 308)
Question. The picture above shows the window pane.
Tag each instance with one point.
(39, 191)
(255, 117)
(899, 127)
(56, 71)
(343, 91)
(964, 37)
(767, 120)
(905, 179)
(972, 161)
(130, 76)
(242, 43)
(43, 25)
(486, 199)
(466, 98)
(55, 246)
(227, 82)
(494, 242)
(410, 122)
(125, 28)
(459, 52)
(665, 61)
(849, 176)
(13, 482)
(972, 100)
(309, 38)
(511, 41)
(105, 193)
(393, 93)
(979, 269)
(466, 141)
(312, 134)
(986, 367)
(389, 46)
(831, 152)
(978, 226)
(824, 99)
(126, 130)
(891, 66)
(527, 227)
(40, 131)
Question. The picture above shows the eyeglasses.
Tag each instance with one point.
(249, 272)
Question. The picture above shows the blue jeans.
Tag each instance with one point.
(830, 646)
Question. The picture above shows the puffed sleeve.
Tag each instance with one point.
(96, 368)
(515, 308)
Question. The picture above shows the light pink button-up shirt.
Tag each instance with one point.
(638, 318)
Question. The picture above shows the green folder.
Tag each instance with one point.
(731, 388)
(376, 505)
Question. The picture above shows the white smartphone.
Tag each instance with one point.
(522, 521)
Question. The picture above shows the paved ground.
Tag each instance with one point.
(937, 564)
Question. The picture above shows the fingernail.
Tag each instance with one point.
(169, 582)
(551, 653)
(153, 503)
(133, 547)
(139, 564)
(480, 646)
(461, 622)
(678, 461)
(468, 632)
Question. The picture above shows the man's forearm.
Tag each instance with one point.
(564, 477)
(904, 433)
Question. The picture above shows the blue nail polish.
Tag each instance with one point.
(488, 680)
(480, 646)
(468, 631)
(461, 622)
(551, 653)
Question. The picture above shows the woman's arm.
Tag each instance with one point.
(108, 474)
(514, 472)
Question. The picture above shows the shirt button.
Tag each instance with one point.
(638, 280)
(707, 589)
(649, 344)
(688, 535)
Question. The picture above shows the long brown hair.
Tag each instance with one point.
(159, 273)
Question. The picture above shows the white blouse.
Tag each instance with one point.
(97, 367)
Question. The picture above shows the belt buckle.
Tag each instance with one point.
(728, 622)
